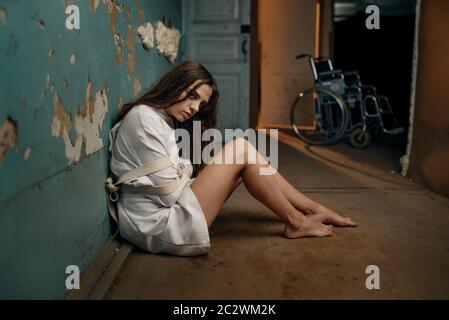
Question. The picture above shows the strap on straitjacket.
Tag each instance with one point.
(116, 188)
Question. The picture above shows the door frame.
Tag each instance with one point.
(254, 67)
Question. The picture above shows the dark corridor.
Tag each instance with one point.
(384, 57)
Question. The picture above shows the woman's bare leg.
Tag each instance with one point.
(311, 208)
(216, 182)
(307, 206)
(237, 183)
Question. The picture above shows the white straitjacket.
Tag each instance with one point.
(172, 223)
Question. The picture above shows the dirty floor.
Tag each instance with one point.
(404, 230)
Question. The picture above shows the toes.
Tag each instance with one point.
(350, 222)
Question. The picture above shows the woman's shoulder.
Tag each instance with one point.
(147, 117)
(144, 110)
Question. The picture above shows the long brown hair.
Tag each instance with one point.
(167, 91)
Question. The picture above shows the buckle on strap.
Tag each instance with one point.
(112, 189)
(181, 169)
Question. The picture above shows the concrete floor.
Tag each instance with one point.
(403, 230)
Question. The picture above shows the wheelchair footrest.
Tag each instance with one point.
(394, 131)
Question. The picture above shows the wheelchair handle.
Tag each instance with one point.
(304, 55)
(311, 62)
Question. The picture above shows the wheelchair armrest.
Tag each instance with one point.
(354, 88)
(331, 74)
(352, 73)
(352, 76)
(371, 89)
(336, 71)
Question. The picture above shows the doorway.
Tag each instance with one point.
(384, 56)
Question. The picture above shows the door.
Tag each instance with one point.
(216, 34)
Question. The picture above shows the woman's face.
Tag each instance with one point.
(196, 99)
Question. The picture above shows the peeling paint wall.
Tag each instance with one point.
(60, 91)
(87, 124)
(167, 41)
(2, 16)
(8, 137)
(146, 34)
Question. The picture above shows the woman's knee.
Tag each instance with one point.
(240, 151)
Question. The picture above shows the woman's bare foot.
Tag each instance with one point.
(308, 228)
(328, 216)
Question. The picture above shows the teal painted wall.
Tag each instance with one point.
(52, 209)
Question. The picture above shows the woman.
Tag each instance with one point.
(161, 208)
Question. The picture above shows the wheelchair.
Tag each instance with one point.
(338, 106)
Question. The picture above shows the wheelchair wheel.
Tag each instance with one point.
(375, 129)
(319, 116)
(359, 138)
